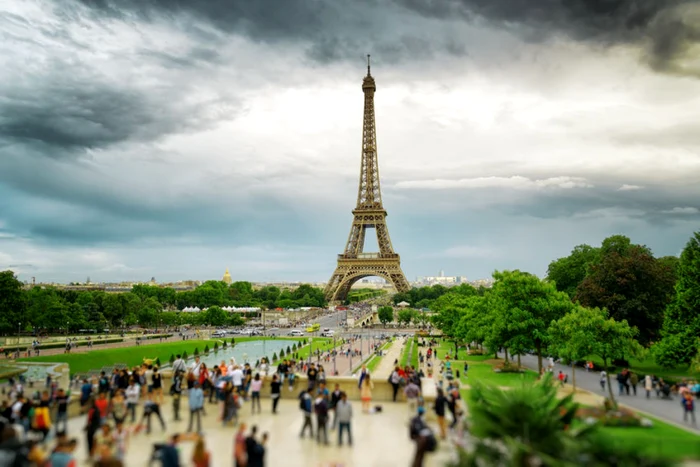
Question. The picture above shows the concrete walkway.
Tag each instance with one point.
(386, 365)
(667, 410)
(372, 434)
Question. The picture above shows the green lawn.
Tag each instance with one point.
(131, 356)
(661, 440)
(322, 343)
(374, 362)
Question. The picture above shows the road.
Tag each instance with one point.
(666, 410)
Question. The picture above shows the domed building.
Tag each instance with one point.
(227, 277)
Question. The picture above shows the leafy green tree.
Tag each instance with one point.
(385, 314)
(235, 319)
(405, 316)
(476, 322)
(631, 284)
(568, 272)
(681, 326)
(572, 337)
(215, 316)
(525, 307)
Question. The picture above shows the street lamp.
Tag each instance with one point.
(18, 326)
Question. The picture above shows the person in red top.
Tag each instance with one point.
(561, 377)
(102, 405)
(240, 453)
(200, 455)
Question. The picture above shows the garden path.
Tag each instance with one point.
(386, 365)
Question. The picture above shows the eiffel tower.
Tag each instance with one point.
(354, 264)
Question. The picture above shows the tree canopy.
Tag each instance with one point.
(681, 325)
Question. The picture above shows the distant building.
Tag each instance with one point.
(440, 279)
(227, 278)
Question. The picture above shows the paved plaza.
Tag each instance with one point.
(380, 439)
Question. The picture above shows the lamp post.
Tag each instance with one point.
(18, 326)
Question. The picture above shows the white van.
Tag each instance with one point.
(329, 333)
(296, 332)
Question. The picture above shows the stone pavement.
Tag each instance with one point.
(667, 410)
(380, 439)
(386, 365)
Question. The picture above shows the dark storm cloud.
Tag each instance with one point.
(340, 30)
(665, 27)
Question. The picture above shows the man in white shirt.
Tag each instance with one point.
(237, 378)
(196, 366)
(179, 365)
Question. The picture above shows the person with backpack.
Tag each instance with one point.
(394, 380)
(41, 418)
(321, 409)
(423, 436)
(176, 393)
(305, 405)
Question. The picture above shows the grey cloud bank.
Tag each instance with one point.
(174, 139)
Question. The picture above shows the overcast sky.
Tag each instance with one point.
(173, 139)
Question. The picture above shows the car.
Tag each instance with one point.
(328, 333)
(296, 332)
(219, 334)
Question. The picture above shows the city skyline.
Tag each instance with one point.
(144, 139)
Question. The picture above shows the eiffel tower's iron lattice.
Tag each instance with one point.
(353, 263)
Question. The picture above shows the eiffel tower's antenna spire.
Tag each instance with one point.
(368, 73)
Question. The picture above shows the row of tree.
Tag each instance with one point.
(49, 309)
(602, 301)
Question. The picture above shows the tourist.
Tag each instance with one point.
(85, 393)
(440, 403)
(103, 405)
(92, 425)
(247, 379)
(364, 373)
(633, 381)
(41, 419)
(121, 441)
(334, 399)
(395, 380)
(62, 456)
(240, 455)
(119, 407)
(255, 387)
(306, 406)
(275, 392)
(603, 379)
(648, 385)
(412, 393)
(423, 437)
(62, 400)
(321, 410)
(237, 379)
(311, 375)
(343, 416)
(133, 393)
(196, 401)
(200, 455)
(231, 405)
(150, 408)
(176, 393)
(688, 407)
(179, 364)
(157, 384)
(104, 446)
(196, 367)
(366, 392)
(256, 455)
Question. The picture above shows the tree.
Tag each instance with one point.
(631, 284)
(235, 319)
(385, 314)
(405, 316)
(571, 338)
(13, 302)
(526, 306)
(681, 326)
(568, 272)
(215, 316)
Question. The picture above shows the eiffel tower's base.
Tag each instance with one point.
(351, 270)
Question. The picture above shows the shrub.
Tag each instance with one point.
(206, 348)
(196, 351)
(294, 346)
(289, 350)
(157, 362)
(216, 346)
(274, 356)
(172, 359)
(185, 356)
(233, 341)
(507, 367)
(281, 353)
(224, 344)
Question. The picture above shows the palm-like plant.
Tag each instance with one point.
(531, 426)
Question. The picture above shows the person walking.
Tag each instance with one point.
(395, 380)
(176, 393)
(343, 416)
(133, 393)
(603, 379)
(688, 407)
(240, 456)
(196, 400)
(275, 392)
(633, 381)
(440, 403)
(648, 385)
(366, 392)
(306, 407)
(200, 455)
(321, 409)
(423, 436)
(255, 387)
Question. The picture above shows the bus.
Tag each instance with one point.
(313, 328)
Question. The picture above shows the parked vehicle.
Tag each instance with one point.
(296, 332)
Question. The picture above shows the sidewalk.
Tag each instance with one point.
(386, 365)
(669, 411)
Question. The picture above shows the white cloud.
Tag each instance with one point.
(516, 182)
(683, 210)
(627, 187)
